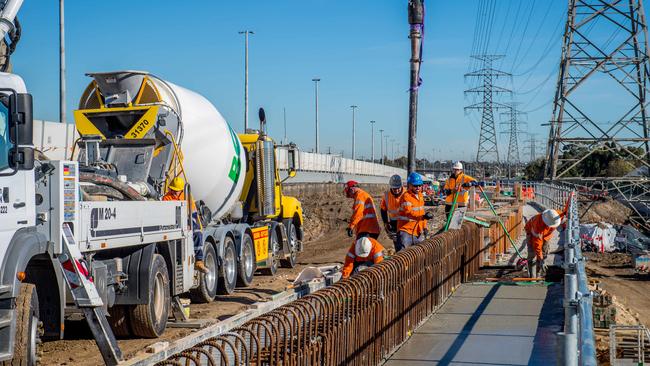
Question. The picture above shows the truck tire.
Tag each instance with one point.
(228, 268)
(207, 289)
(27, 328)
(274, 254)
(292, 237)
(119, 320)
(247, 262)
(150, 319)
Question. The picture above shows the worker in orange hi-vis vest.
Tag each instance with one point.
(389, 207)
(457, 182)
(363, 253)
(539, 231)
(412, 220)
(364, 217)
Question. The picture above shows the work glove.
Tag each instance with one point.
(349, 232)
(426, 233)
(466, 185)
(428, 215)
(482, 184)
(447, 192)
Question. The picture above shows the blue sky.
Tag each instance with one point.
(359, 49)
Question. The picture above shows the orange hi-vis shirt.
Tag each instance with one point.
(376, 256)
(390, 204)
(538, 232)
(364, 216)
(456, 184)
(411, 214)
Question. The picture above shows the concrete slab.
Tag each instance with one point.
(489, 324)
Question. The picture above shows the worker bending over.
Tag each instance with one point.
(364, 217)
(176, 193)
(389, 207)
(412, 219)
(458, 182)
(539, 230)
(363, 253)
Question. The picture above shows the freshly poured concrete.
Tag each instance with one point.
(489, 324)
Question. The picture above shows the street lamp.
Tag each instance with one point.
(246, 33)
(381, 142)
(354, 107)
(372, 141)
(316, 80)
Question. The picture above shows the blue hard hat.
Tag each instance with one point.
(414, 179)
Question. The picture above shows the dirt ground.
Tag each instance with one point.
(613, 272)
(608, 210)
(326, 243)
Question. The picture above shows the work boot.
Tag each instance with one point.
(200, 266)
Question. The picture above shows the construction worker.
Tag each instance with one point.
(457, 182)
(539, 230)
(363, 253)
(412, 219)
(389, 206)
(364, 217)
(176, 192)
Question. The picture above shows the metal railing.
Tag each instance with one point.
(578, 335)
(628, 344)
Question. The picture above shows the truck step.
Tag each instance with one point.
(5, 288)
(5, 321)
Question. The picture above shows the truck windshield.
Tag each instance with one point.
(5, 141)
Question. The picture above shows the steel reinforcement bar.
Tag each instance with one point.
(359, 321)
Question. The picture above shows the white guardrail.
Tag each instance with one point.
(335, 164)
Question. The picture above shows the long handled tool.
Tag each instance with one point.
(522, 261)
(451, 212)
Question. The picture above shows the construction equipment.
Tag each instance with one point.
(93, 237)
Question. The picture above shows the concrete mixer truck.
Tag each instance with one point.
(92, 235)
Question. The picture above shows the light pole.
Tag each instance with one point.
(381, 142)
(246, 33)
(392, 150)
(316, 80)
(284, 111)
(372, 144)
(354, 108)
(62, 75)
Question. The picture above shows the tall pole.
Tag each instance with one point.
(372, 144)
(354, 108)
(416, 21)
(316, 80)
(392, 150)
(62, 75)
(284, 112)
(246, 33)
(381, 142)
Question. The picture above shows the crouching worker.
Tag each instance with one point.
(177, 193)
(539, 231)
(364, 253)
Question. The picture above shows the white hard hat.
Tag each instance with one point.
(551, 218)
(362, 247)
(395, 181)
(458, 165)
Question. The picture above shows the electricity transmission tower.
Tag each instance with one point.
(532, 146)
(605, 50)
(513, 130)
(487, 143)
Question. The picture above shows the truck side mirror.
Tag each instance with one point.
(21, 156)
(292, 157)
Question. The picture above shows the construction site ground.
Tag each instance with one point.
(326, 243)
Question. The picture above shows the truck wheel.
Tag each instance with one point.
(228, 270)
(27, 327)
(150, 319)
(207, 289)
(292, 236)
(247, 262)
(119, 320)
(274, 254)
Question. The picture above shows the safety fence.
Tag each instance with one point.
(359, 321)
(497, 247)
(578, 336)
(335, 164)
